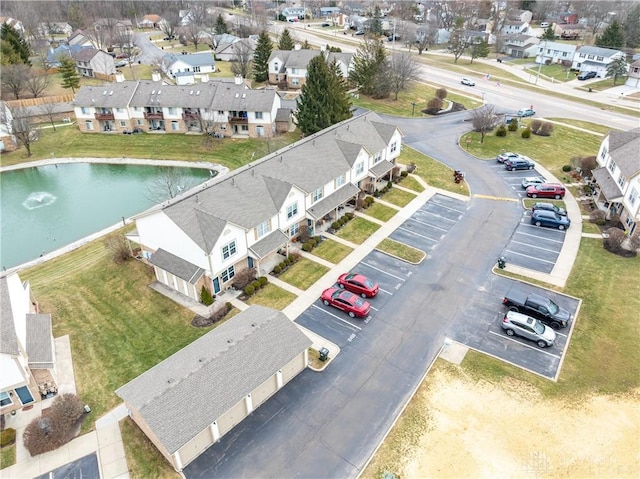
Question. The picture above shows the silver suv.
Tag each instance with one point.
(527, 327)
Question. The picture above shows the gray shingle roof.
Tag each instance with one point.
(270, 243)
(186, 392)
(110, 95)
(85, 54)
(39, 345)
(154, 94)
(332, 201)
(193, 59)
(598, 51)
(381, 168)
(607, 184)
(8, 336)
(624, 148)
(232, 97)
(176, 266)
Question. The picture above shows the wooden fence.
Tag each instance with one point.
(39, 101)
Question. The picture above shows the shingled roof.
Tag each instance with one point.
(623, 148)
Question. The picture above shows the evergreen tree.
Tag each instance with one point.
(368, 66)
(15, 45)
(632, 27)
(286, 42)
(375, 26)
(617, 68)
(221, 25)
(70, 76)
(306, 45)
(548, 34)
(323, 100)
(479, 49)
(612, 37)
(261, 57)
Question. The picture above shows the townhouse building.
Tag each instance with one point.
(248, 219)
(221, 107)
(633, 76)
(595, 59)
(288, 68)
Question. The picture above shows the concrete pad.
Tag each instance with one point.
(82, 446)
(64, 366)
(115, 469)
(112, 417)
(54, 459)
(112, 453)
(109, 435)
(453, 352)
(29, 468)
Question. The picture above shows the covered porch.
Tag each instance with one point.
(329, 209)
(269, 251)
(608, 197)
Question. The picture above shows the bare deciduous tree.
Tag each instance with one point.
(22, 127)
(37, 82)
(168, 184)
(118, 246)
(595, 11)
(194, 34)
(243, 59)
(402, 70)
(15, 78)
(49, 110)
(484, 120)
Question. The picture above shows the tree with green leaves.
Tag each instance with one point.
(286, 41)
(221, 25)
(369, 65)
(306, 45)
(549, 34)
(375, 25)
(261, 56)
(14, 45)
(458, 40)
(612, 37)
(479, 49)
(617, 68)
(323, 99)
(70, 76)
(632, 27)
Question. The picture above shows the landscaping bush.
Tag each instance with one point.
(118, 245)
(434, 106)
(263, 281)
(308, 246)
(613, 238)
(526, 133)
(7, 437)
(205, 297)
(566, 168)
(368, 201)
(535, 125)
(293, 257)
(588, 164)
(349, 215)
(249, 290)
(277, 269)
(243, 278)
(501, 131)
(303, 233)
(614, 219)
(441, 93)
(545, 129)
(513, 126)
(598, 217)
(336, 225)
(634, 242)
(404, 173)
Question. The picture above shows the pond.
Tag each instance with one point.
(48, 207)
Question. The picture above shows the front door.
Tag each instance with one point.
(216, 285)
(250, 261)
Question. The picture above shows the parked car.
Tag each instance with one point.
(121, 63)
(502, 157)
(353, 305)
(549, 207)
(550, 219)
(359, 284)
(466, 81)
(587, 75)
(530, 328)
(122, 55)
(532, 180)
(392, 37)
(526, 112)
(359, 32)
(546, 190)
(544, 24)
(519, 164)
(538, 306)
(326, 24)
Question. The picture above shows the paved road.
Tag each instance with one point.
(328, 424)
(148, 50)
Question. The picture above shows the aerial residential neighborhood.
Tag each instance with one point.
(319, 239)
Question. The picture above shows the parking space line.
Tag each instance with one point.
(437, 216)
(497, 198)
(430, 225)
(525, 345)
(375, 309)
(417, 234)
(536, 247)
(443, 206)
(383, 271)
(546, 229)
(337, 317)
(540, 238)
(531, 257)
(385, 291)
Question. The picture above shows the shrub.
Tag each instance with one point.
(256, 285)
(614, 238)
(118, 246)
(243, 278)
(308, 246)
(404, 173)
(359, 204)
(369, 200)
(205, 297)
(614, 219)
(7, 437)
(263, 281)
(501, 131)
(335, 225)
(588, 164)
(349, 215)
(545, 129)
(566, 168)
(293, 257)
(303, 233)
(526, 133)
(434, 106)
(513, 126)
(634, 242)
(389, 185)
(249, 290)
(441, 93)
(343, 220)
(535, 125)
(277, 269)
(598, 217)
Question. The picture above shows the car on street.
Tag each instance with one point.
(326, 24)
(359, 284)
(518, 324)
(587, 75)
(549, 207)
(353, 305)
(359, 32)
(550, 219)
(526, 112)
(546, 190)
(532, 180)
(519, 164)
(466, 81)
(502, 157)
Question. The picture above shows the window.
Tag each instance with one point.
(136, 108)
(600, 59)
(123, 124)
(175, 126)
(258, 115)
(317, 195)
(196, 69)
(172, 110)
(260, 130)
(603, 155)
(394, 146)
(220, 112)
(564, 54)
(276, 67)
(633, 196)
(612, 166)
(621, 181)
(140, 122)
(263, 228)
(294, 71)
(360, 168)
(377, 158)
(119, 110)
(295, 228)
(229, 250)
(228, 273)
(292, 210)
(5, 399)
(88, 125)
(295, 82)
(340, 180)
(244, 127)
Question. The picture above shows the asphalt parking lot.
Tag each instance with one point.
(480, 329)
(86, 466)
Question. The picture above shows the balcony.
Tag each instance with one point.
(238, 119)
(154, 115)
(191, 115)
(104, 115)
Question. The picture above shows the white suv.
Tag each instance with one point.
(517, 323)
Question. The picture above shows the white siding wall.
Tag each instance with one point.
(229, 234)
(295, 195)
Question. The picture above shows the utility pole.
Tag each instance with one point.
(541, 60)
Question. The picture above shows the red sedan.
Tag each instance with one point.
(353, 305)
(359, 284)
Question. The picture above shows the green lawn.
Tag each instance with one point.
(411, 183)
(432, 171)
(588, 227)
(272, 296)
(586, 125)
(381, 212)
(69, 142)
(143, 458)
(604, 84)
(332, 251)
(7, 456)
(555, 71)
(303, 273)
(398, 197)
(551, 151)
(401, 250)
(357, 230)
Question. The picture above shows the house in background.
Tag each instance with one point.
(27, 352)
(521, 46)
(154, 22)
(618, 178)
(12, 22)
(288, 68)
(520, 16)
(555, 52)
(595, 59)
(229, 52)
(633, 77)
(54, 28)
(196, 63)
(94, 63)
(78, 38)
(54, 55)
(565, 18)
(514, 27)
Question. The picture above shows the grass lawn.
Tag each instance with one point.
(605, 84)
(357, 230)
(401, 250)
(7, 456)
(432, 171)
(303, 273)
(587, 125)
(411, 183)
(475, 71)
(69, 142)
(272, 296)
(551, 151)
(381, 212)
(332, 251)
(398, 197)
(143, 458)
(555, 71)
(588, 227)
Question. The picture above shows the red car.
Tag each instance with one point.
(353, 305)
(359, 284)
(546, 190)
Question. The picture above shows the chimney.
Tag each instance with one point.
(119, 77)
(297, 46)
(237, 80)
(156, 76)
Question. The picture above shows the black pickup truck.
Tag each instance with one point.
(539, 307)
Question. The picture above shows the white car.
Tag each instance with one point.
(522, 325)
(466, 81)
(532, 180)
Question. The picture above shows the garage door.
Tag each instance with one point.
(232, 417)
(262, 392)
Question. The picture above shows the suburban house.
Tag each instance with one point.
(514, 27)
(293, 13)
(520, 15)
(27, 353)
(195, 63)
(288, 68)
(618, 178)
(569, 31)
(78, 38)
(521, 46)
(247, 218)
(54, 55)
(226, 107)
(12, 22)
(54, 28)
(94, 63)
(633, 76)
(226, 375)
(565, 18)
(8, 141)
(555, 52)
(113, 26)
(231, 51)
(595, 59)
(154, 22)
